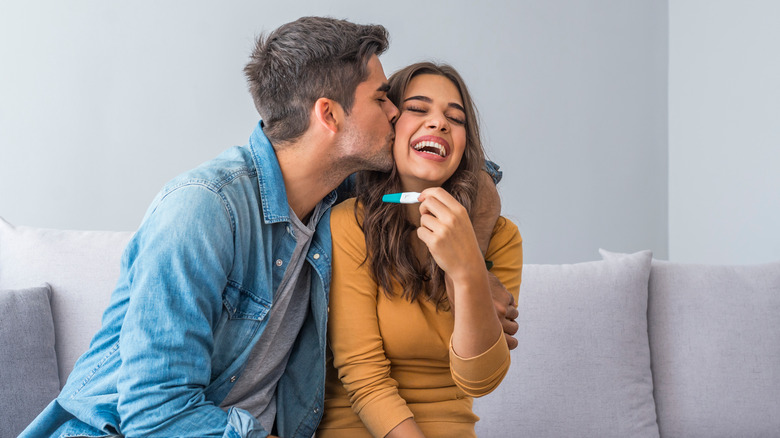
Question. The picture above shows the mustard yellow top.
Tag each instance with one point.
(393, 357)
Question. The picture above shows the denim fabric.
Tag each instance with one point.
(493, 170)
(196, 284)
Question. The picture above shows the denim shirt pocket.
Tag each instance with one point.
(243, 304)
(242, 320)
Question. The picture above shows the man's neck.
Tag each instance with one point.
(308, 176)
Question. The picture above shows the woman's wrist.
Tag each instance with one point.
(471, 271)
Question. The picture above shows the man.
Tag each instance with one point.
(217, 324)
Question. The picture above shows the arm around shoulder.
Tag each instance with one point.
(505, 252)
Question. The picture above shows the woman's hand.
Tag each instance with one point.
(446, 230)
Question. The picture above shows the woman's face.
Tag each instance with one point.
(430, 134)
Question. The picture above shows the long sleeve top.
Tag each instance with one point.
(391, 358)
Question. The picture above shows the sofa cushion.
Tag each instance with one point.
(582, 367)
(28, 363)
(81, 267)
(715, 345)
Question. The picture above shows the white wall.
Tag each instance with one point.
(724, 131)
(102, 102)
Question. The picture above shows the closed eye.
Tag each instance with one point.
(457, 120)
(415, 109)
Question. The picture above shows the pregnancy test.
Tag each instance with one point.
(401, 198)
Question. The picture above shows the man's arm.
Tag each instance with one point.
(178, 264)
(506, 308)
(486, 212)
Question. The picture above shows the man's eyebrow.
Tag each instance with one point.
(427, 99)
(384, 88)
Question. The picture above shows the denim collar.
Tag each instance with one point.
(270, 181)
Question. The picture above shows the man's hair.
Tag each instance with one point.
(304, 60)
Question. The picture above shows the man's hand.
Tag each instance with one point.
(506, 308)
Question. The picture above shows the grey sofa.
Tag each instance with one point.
(625, 346)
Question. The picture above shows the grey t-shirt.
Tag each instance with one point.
(255, 389)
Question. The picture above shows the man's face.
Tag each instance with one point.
(368, 130)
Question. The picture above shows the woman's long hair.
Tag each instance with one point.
(386, 228)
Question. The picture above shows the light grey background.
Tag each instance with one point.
(724, 131)
(101, 103)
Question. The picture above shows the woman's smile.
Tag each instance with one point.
(430, 132)
(431, 147)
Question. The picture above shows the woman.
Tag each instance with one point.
(412, 326)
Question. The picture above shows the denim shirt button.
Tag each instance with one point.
(278, 262)
(316, 256)
(316, 410)
(232, 379)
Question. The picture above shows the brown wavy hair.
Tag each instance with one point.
(385, 226)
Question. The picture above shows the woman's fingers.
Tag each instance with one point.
(445, 228)
(437, 202)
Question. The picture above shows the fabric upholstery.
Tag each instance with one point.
(715, 344)
(582, 367)
(28, 363)
(80, 266)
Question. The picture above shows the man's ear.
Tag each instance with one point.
(329, 114)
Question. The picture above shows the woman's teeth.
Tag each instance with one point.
(431, 147)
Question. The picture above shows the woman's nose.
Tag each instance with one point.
(438, 122)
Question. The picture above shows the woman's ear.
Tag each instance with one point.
(329, 114)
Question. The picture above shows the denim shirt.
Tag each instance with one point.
(196, 284)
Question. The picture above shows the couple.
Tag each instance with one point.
(220, 320)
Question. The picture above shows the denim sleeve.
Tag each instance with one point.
(241, 424)
(493, 170)
(178, 264)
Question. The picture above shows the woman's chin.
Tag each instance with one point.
(418, 183)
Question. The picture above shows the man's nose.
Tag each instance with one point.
(394, 113)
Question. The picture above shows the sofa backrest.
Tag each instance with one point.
(582, 367)
(715, 349)
(714, 341)
(714, 337)
(81, 267)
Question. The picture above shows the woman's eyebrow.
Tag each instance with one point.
(457, 106)
(423, 98)
(427, 99)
